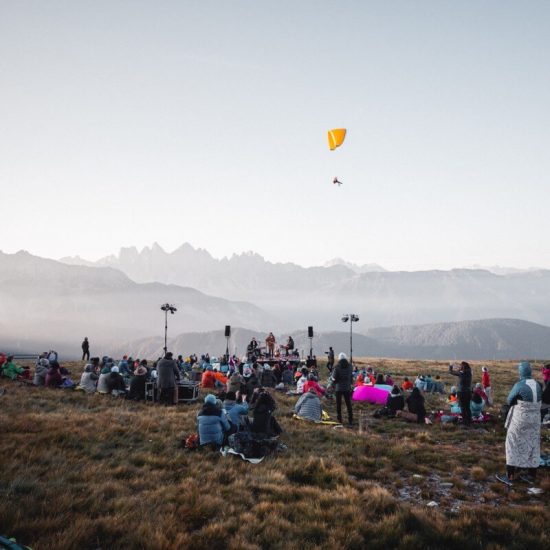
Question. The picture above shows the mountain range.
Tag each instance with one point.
(300, 296)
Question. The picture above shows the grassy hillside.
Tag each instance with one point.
(84, 472)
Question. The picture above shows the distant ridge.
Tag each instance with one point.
(474, 340)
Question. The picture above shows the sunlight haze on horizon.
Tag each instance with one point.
(129, 123)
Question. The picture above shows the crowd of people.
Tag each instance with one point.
(242, 387)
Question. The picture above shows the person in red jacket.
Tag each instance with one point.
(486, 383)
(407, 385)
(208, 378)
(314, 385)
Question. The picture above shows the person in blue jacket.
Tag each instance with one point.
(235, 411)
(523, 428)
(212, 423)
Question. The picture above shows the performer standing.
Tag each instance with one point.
(270, 343)
(85, 349)
(330, 359)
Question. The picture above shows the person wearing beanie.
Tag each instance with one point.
(523, 427)
(342, 377)
(115, 382)
(309, 406)
(395, 401)
(212, 422)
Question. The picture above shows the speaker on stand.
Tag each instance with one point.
(310, 336)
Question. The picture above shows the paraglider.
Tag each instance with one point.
(336, 137)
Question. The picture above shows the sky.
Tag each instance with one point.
(128, 123)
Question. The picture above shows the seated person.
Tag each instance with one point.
(302, 380)
(262, 406)
(268, 379)
(115, 382)
(54, 378)
(395, 401)
(123, 366)
(380, 380)
(420, 383)
(88, 380)
(389, 380)
(235, 411)
(453, 398)
(415, 404)
(287, 376)
(407, 385)
(312, 384)
(212, 423)
(362, 378)
(11, 370)
(208, 377)
(221, 380)
(476, 406)
(41, 372)
(235, 383)
(309, 406)
(137, 384)
(429, 383)
(251, 382)
(438, 385)
(102, 386)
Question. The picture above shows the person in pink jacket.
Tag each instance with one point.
(314, 385)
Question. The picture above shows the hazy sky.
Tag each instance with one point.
(125, 123)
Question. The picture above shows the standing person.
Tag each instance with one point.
(464, 393)
(342, 377)
(85, 349)
(270, 343)
(330, 359)
(486, 383)
(523, 427)
(168, 373)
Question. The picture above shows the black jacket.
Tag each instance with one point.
(415, 403)
(137, 387)
(464, 379)
(395, 402)
(342, 376)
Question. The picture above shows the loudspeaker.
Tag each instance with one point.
(227, 331)
(310, 332)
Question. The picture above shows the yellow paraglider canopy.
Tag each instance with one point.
(336, 137)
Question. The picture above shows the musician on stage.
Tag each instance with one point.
(270, 343)
(289, 345)
(251, 348)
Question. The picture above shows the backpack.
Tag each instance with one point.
(192, 442)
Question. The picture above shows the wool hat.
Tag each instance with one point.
(247, 372)
(341, 356)
(114, 369)
(209, 367)
(140, 371)
(210, 398)
(484, 369)
(453, 389)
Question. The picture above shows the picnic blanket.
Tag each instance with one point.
(325, 420)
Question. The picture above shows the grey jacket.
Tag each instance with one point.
(88, 381)
(309, 407)
(40, 375)
(168, 373)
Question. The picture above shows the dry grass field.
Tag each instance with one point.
(79, 471)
